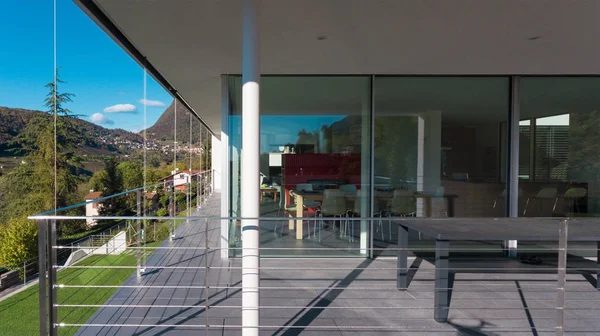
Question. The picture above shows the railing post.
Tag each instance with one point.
(139, 231)
(562, 270)
(198, 191)
(171, 212)
(207, 266)
(43, 293)
(24, 273)
(52, 289)
(188, 196)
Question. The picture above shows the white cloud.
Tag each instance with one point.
(120, 108)
(101, 119)
(154, 103)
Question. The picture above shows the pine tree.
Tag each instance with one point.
(112, 182)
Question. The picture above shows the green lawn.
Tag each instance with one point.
(19, 314)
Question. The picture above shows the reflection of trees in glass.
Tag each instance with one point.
(584, 153)
(396, 148)
(342, 136)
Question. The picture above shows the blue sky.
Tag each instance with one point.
(106, 82)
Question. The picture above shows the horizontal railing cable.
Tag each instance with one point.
(185, 275)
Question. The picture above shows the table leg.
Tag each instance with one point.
(450, 206)
(442, 277)
(299, 214)
(402, 263)
(427, 206)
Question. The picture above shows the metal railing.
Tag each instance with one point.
(52, 256)
(202, 291)
(27, 271)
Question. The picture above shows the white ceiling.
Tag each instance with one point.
(192, 43)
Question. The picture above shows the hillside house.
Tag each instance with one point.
(179, 179)
(91, 208)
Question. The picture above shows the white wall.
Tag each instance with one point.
(91, 211)
(116, 245)
(180, 179)
(216, 166)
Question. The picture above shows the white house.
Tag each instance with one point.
(91, 209)
(180, 179)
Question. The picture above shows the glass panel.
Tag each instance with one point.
(566, 118)
(315, 160)
(440, 145)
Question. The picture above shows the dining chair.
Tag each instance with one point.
(501, 198)
(376, 211)
(543, 194)
(334, 205)
(349, 189)
(312, 207)
(289, 209)
(574, 195)
(403, 205)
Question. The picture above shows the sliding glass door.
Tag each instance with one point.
(439, 149)
(315, 163)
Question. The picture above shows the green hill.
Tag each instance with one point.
(164, 128)
(97, 140)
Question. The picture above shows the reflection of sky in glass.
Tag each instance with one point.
(278, 130)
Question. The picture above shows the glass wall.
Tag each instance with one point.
(314, 162)
(564, 114)
(440, 148)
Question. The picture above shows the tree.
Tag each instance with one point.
(49, 149)
(206, 155)
(31, 187)
(132, 173)
(96, 182)
(113, 184)
(19, 242)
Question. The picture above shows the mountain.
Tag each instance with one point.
(163, 129)
(97, 140)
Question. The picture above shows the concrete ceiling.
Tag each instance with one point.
(192, 43)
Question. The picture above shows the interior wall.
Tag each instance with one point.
(216, 157)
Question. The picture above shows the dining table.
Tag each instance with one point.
(303, 197)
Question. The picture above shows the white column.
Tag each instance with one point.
(429, 156)
(250, 173)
